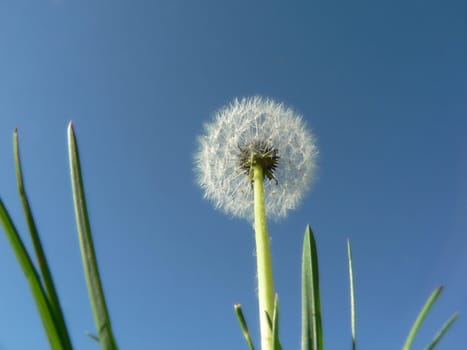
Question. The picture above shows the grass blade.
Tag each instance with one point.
(446, 326)
(243, 326)
(276, 344)
(421, 316)
(312, 332)
(40, 255)
(32, 276)
(352, 297)
(91, 272)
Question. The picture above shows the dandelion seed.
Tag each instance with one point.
(255, 130)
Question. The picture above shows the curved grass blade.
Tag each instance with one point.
(276, 344)
(421, 316)
(446, 326)
(91, 271)
(352, 297)
(40, 255)
(243, 325)
(42, 303)
(312, 332)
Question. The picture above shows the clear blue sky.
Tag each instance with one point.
(383, 86)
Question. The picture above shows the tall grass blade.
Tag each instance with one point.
(312, 332)
(243, 326)
(40, 255)
(446, 326)
(421, 316)
(91, 272)
(352, 297)
(42, 303)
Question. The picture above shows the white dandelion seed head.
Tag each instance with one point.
(218, 164)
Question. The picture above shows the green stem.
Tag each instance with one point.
(263, 260)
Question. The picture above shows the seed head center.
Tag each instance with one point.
(259, 152)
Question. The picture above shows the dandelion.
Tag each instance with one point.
(261, 126)
(250, 141)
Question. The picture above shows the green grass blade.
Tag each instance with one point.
(32, 276)
(243, 326)
(91, 272)
(40, 255)
(312, 332)
(446, 326)
(421, 316)
(352, 297)
(276, 344)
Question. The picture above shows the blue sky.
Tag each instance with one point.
(381, 84)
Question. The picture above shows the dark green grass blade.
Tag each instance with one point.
(91, 272)
(312, 332)
(42, 303)
(276, 344)
(243, 325)
(446, 326)
(40, 255)
(421, 316)
(352, 297)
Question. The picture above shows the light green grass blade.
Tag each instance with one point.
(312, 332)
(42, 303)
(91, 272)
(243, 326)
(40, 255)
(446, 326)
(421, 316)
(352, 297)
(276, 344)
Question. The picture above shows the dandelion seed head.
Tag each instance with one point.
(279, 139)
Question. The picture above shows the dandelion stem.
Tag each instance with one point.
(263, 260)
